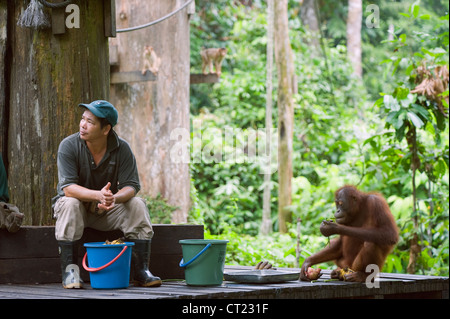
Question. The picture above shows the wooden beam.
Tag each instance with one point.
(204, 78)
(113, 55)
(136, 76)
(109, 7)
(58, 20)
(132, 76)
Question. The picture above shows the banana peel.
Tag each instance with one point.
(344, 271)
(263, 265)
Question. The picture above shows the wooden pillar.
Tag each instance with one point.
(50, 75)
(150, 110)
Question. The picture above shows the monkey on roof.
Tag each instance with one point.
(151, 60)
(210, 56)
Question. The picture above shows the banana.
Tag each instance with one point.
(345, 271)
(114, 242)
(263, 265)
(258, 264)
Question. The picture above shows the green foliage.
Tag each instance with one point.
(229, 191)
(420, 119)
(278, 248)
(160, 211)
(341, 135)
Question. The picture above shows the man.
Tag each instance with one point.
(98, 181)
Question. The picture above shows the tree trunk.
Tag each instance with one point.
(354, 22)
(309, 18)
(49, 75)
(286, 88)
(414, 248)
(151, 111)
(266, 225)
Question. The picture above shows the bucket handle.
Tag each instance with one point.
(104, 266)
(182, 264)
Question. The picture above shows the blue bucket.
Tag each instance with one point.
(109, 265)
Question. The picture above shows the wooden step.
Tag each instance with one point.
(31, 255)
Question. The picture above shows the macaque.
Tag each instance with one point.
(150, 60)
(10, 217)
(367, 233)
(211, 55)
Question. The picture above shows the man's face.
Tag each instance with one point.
(90, 128)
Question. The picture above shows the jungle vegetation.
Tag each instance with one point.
(383, 131)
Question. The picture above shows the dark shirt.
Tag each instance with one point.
(76, 165)
(4, 197)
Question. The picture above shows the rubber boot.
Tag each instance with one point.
(140, 259)
(68, 251)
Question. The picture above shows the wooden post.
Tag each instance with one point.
(110, 17)
(50, 75)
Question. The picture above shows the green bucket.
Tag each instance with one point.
(205, 261)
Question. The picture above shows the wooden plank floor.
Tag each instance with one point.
(391, 286)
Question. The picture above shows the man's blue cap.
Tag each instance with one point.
(103, 109)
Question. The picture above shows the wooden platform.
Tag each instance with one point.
(392, 286)
(30, 269)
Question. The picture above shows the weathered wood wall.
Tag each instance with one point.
(49, 76)
(150, 111)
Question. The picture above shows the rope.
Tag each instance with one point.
(156, 21)
(34, 16)
(55, 5)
